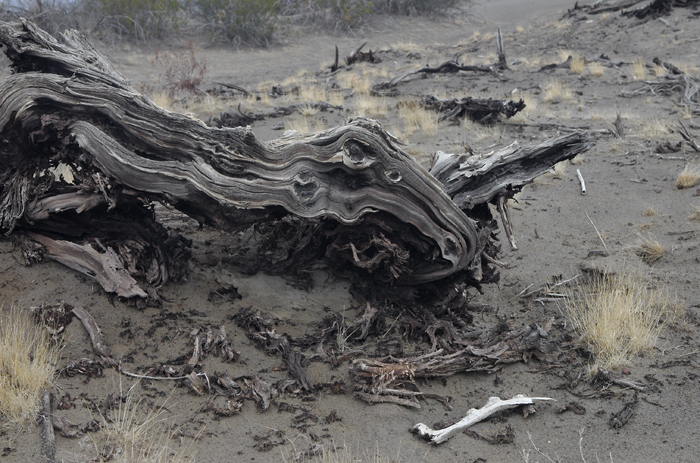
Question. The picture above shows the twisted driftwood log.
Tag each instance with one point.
(83, 157)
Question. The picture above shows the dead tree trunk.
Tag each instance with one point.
(347, 198)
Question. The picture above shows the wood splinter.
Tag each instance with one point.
(505, 219)
(474, 416)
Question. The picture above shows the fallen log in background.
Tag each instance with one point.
(348, 198)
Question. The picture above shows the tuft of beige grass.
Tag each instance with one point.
(300, 123)
(689, 176)
(530, 110)
(415, 117)
(639, 69)
(652, 129)
(695, 215)
(648, 249)
(141, 433)
(617, 316)
(577, 64)
(28, 361)
(596, 69)
(649, 212)
(366, 105)
(555, 90)
(308, 109)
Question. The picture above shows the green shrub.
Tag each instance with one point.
(239, 21)
(140, 19)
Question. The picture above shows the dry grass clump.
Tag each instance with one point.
(648, 249)
(577, 64)
(530, 109)
(617, 316)
(695, 215)
(366, 105)
(639, 69)
(141, 433)
(415, 117)
(554, 90)
(652, 129)
(649, 212)
(689, 176)
(596, 69)
(27, 365)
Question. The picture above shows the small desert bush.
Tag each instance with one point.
(138, 19)
(689, 176)
(617, 316)
(648, 249)
(28, 361)
(348, 15)
(649, 212)
(182, 72)
(239, 21)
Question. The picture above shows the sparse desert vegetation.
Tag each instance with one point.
(617, 316)
(648, 249)
(28, 363)
(689, 176)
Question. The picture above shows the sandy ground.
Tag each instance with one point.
(624, 178)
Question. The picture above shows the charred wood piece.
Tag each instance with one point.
(483, 111)
(358, 56)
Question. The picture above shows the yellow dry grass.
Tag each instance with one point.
(312, 93)
(530, 110)
(489, 132)
(649, 212)
(555, 91)
(658, 70)
(596, 69)
(415, 117)
(366, 105)
(360, 83)
(639, 69)
(695, 215)
(689, 176)
(307, 109)
(336, 98)
(617, 316)
(27, 365)
(652, 129)
(141, 433)
(163, 100)
(648, 249)
(577, 64)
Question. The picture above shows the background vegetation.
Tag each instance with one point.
(235, 22)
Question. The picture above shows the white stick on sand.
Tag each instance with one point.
(474, 415)
(580, 179)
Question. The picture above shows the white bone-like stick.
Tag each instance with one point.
(474, 415)
(580, 179)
